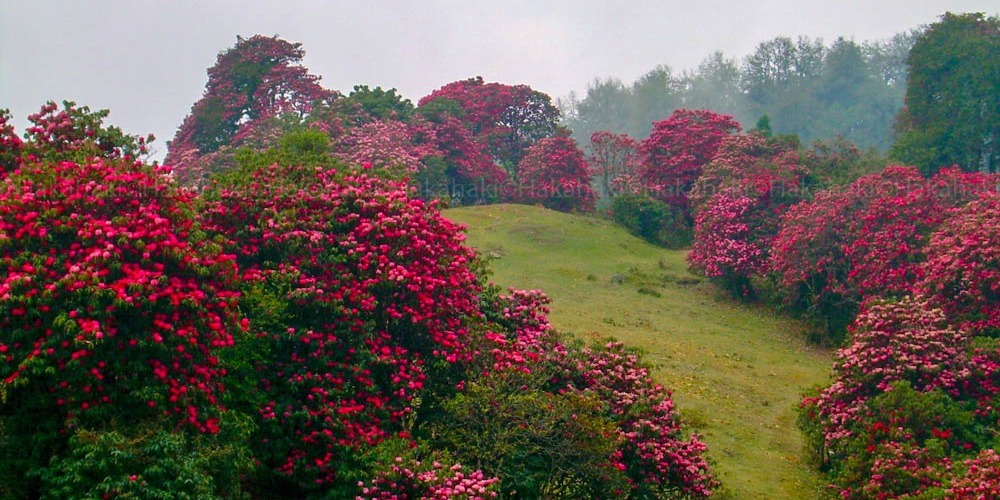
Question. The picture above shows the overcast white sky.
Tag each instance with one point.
(145, 60)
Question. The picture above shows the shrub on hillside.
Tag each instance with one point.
(114, 306)
(554, 173)
(962, 272)
(842, 247)
(912, 398)
(652, 220)
(605, 429)
(738, 201)
(358, 292)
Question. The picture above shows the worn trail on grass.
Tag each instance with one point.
(737, 371)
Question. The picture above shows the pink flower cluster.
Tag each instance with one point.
(677, 150)
(738, 201)
(413, 479)
(905, 340)
(654, 452)
(981, 479)
(389, 144)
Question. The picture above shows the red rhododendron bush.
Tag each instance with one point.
(367, 287)
(113, 306)
(250, 83)
(505, 119)
(866, 240)
(962, 272)
(677, 150)
(913, 407)
(598, 426)
(554, 174)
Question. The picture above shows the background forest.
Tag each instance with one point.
(810, 88)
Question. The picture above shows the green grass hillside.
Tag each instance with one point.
(737, 371)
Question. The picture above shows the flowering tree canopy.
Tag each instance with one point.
(678, 148)
(738, 201)
(258, 78)
(554, 173)
(962, 271)
(867, 240)
(507, 119)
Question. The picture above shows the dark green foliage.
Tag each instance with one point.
(652, 220)
(438, 109)
(303, 146)
(149, 464)
(764, 126)
(541, 444)
(839, 162)
(365, 104)
(952, 115)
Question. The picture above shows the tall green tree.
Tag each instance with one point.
(605, 107)
(952, 107)
(715, 85)
(655, 95)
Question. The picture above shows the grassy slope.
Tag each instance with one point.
(736, 371)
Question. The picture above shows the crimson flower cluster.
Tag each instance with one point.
(506, 119)
(677, 150)
(113, 302)
(378, 285)
(867, 240)
(415, 479)
(962, 271)
(554, 174)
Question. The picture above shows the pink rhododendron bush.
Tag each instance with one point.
(962, 271)
(738, 202)
(554, 174)
(912, 404)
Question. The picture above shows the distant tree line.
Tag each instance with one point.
(802, 86)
